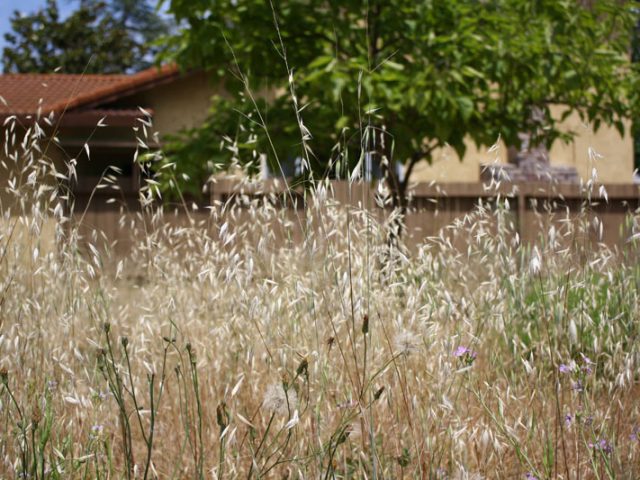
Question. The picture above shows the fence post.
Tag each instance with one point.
(521, 198)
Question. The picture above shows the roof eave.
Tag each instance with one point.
(139, 82)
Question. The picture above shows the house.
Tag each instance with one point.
(76, 104)
(175, 100)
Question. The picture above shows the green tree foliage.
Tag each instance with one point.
(98, 37)
(140, 18)
(398, 79)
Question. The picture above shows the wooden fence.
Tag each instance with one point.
(533, 207)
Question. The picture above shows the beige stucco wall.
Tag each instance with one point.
(183, 103)
(446, 166)
(605, 150)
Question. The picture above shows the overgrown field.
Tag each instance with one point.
(223, 353)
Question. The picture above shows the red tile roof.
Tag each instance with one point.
(25, 93)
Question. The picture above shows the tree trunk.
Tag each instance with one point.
(399, 199)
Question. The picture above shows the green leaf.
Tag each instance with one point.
(465, 105)
(393, 65)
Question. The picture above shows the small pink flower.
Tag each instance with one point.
(465, 354)
(461, 350)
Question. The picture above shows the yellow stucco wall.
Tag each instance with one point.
(606, 150)
(183, 103)
(447, 167)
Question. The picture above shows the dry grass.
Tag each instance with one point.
(216, 354)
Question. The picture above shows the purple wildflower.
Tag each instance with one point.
(586, 364)
(466, 354)
(565, 368)
(568, 368)
(460, 351)
(586, 368)
(586, 360)
(530, 476)
(567, 420)
(602, 445)
(578, 386)
(635, 434)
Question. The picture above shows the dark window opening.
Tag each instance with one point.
(117, 163)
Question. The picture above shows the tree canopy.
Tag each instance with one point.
(406, 76)
(98, 37)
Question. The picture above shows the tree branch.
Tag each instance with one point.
(415, 158)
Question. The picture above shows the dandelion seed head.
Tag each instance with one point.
(354, 430)
(406, 343)
(279, 401)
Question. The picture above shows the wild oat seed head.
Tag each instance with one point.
(536, 262)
